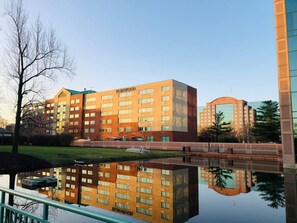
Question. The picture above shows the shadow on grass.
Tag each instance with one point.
(20, 162)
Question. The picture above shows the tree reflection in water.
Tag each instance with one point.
(272, 189)
(220, 176)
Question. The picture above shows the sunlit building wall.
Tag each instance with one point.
(286, 43)
(160, 111)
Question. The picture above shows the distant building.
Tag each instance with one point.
(286, 45)
(160, 111)
(238, 112)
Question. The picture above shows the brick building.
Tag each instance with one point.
(160, 111)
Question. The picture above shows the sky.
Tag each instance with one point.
(221, 48)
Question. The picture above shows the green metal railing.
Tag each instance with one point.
(10, 214)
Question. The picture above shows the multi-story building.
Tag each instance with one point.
(160, 111)
(286, 43)
(238, 112)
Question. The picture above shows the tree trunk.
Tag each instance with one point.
(16, 136)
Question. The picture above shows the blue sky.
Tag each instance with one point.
(222, 48)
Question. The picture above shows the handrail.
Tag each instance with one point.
(84, 212)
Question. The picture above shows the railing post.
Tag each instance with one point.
(2, 209)
(45, 212)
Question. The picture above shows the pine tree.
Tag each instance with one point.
(267, 124)
(220, 128)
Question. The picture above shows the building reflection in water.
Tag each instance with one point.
(227, 181)
(166, 190)
(146, 190)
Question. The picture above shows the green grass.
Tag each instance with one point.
(66, 155)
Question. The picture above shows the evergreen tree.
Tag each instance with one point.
(220, 128)
(267, 124)
(272, 189)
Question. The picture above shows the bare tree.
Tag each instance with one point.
(34, 55)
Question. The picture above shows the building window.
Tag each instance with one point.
(92, 122)
(76, 116)
(144, 190)
(87, 122)
(86, 130)
(164, 182)
(125, 120)
(165, 98)
(103, 192)
(165, 139)
(87, 115)
(122, 186)
(93, 114)
(143, 110)
(125, 94)
(145, 119)
(144, 200)
(165, 205)
(165, 108)
(165, 216)
(103, 183)
(165, 128)
(92, 130)
(150, 138)
(105, 97)
(90, 99)
(106, 105)
(126, 167)
(144, 211)
(165, 118)
(122, 196)
(165, 172)
(145, 129)
(106, 113)
(123, 177)
(144, 180)
(146, 91)
(125, 103)
(122, 206)
(164, 194)
(77, 101)
(125, 112)
(165, 88)
(102, 201)
(145, 100)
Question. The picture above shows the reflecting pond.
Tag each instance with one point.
(171, 190)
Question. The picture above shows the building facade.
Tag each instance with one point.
(238, 112)
(286, 43)
(160, 111)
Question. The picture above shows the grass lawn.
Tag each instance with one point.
(67, 155)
